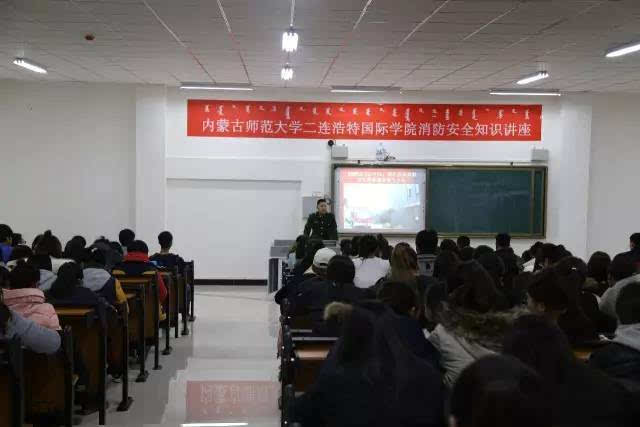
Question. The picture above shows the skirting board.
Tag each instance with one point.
(231, 282)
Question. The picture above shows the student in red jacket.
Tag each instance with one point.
(136, 262)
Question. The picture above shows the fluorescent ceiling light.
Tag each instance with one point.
(21, 62)
(362, 89)
(290, 40)
(533, 78)
(216, 86)
(214, 424)
(287, 72)
(511, 92)
(623, 50)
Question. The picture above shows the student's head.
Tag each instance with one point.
(345, 247)
(165, 240)
(634, 241)
(550, 254)
(598, 266)
(35, 242)
(138, 246)
(20, 252)
(341, 269)
(466, 254)
(482, 250)
(126, 236)
(384, 250)
(69, 278)
(546, 294)
(6, 234)
(477, 291)
(427, 242)
(532, 252)
(448, 245)
(628, 305)
(16, 239)
(358, 331)
(301, 246)
(97, 256)
(24, 275)
(322, 206)
(404, 263)
(368, 247)
(445, 265)
(41, 262)
(355, 246)
(621, 267)
(73, 246)
(503, 240)
(541, 345)
(321, 261)
(494, 266)
(463, 242)
(499, 391)
(49, 245)
(400, 297)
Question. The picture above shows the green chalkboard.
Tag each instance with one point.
(486, 201)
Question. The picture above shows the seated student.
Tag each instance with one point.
(17, 240)
(371, 379)
(6, 238)
(427, 249)
(499, 391)
(463, 242)
(301, 273)
(622, 272)
(466, 254)
(50, 245)
(384, 249)
(98, 279)
(621, 358)
(74, 245)
(355, 246)
(32, 336)
(495, 266)
(509, 258)
(634, 246)
(338, 286)
(27, 300)
(482, 250)
(112, 251)
(43, 264)
(126, 237)
(136, 263)
(445, 268)
(165, 259)
(598, 273)
(531, 258)
(345, 247)
(369, 267)
(449, 245)
(581, 396)
(470, 324)
(294, 291)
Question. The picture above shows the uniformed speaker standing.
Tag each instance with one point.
(322, 224)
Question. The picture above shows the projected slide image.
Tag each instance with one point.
(380, 200)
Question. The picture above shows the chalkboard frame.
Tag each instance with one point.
(454, 166)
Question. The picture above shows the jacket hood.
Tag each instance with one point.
(23, 296)
(628, 335)
(95, 278)
(486, 329)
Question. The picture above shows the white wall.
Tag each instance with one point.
(67, 158)
(614, 194)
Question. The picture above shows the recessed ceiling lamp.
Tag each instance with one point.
(623, 50)
(362, 89)
(286, 73)
(290, 40)
(215, 86)
(540, 75)
(29, 65)
(515, 92)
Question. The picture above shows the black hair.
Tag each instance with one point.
(622, 266)
(635, 239)
(463, 242)
(466, 253)
(20, 252)
(138, 246)
(35, 242)
(448, 245)
(500, 391)
(341, 269)
(476, 290)
(494, 266)
(434, 297)
(165, 240)
(399, 296)
(384, 250)
(320, 201)
(49, 245)
(355, 245)
(445, 265)
(427, 242)
(69, 277)
(598, 266)
(357, 338)
(482, 250)
(345, 247)
(24, 275)
(74, 246)
(126, 236)
(5, 233)
(628, 304)
(503, 240)
(97, 256)
(41, 261)
(368, 246)
(532, 252)
(546, 288)
(301, 246)
(16, 239)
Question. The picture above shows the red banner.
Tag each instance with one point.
(324, 120)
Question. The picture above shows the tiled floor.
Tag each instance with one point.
(224, 373)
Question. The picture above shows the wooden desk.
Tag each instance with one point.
(309, 358)
(11, 383)
(90, 340)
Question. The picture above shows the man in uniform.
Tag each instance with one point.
(322, 224)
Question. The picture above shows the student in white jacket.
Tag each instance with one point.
(622, 272)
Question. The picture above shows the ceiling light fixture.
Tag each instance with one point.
(286, 73)
(290, 40)
(512, 92)
(623, 50)
(217, 86)
(362, 89)
(540, 75)
(29, 65)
